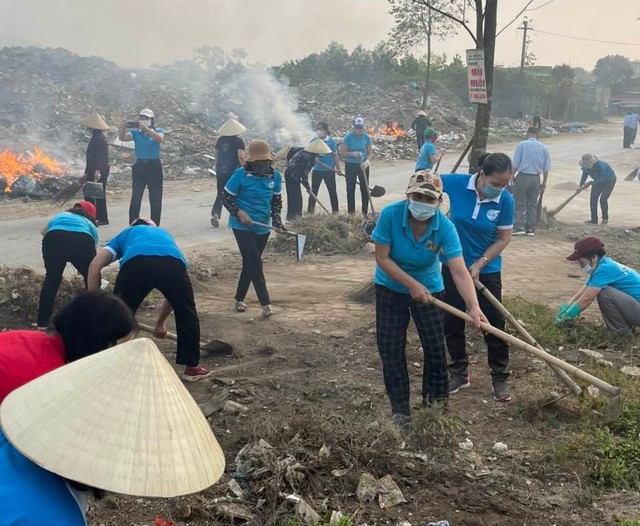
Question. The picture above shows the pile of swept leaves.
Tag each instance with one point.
(327, 235)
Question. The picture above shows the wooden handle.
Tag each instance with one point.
(600, 384)
(311, 194)
(464, 152)
(563, 376)
(150, 329)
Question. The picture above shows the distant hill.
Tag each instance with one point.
(9, 41)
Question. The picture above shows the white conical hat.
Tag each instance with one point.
(119, 420)
(318, 146)
(231, 127)
(95, 122)
(281, 154)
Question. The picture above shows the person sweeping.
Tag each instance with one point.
(147, 170)
(150, 259)
(616, 287)
(253, 197)
(357, 151)
(297, 175)
(483, 214)
(230, 156)
(409, 237)
(97, 167)
(70, 237)
(604, 181)
(325, 170)
(428, 156)
(419, 125)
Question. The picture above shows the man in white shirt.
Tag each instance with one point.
(630, 128)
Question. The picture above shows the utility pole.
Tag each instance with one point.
(523, 58)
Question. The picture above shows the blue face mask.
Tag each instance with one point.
(422, 211)
(491, 192)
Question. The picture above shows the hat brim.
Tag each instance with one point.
(575, 256)
(260, 157)
(424, 191)
(231, 128)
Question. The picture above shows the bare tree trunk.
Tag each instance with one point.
(486, 39)
(425, 95)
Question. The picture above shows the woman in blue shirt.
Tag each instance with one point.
(615, 286)
(325, 170)
(70, 237)
(254, 193)
(147, 170)
(482, 213)
(357, 150)
(604, 180)
(409, 236)
(428, 155)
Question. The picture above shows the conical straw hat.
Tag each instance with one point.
(230, 128)
(281, 154)
(119, 420)
(318, 146)
(95, 122)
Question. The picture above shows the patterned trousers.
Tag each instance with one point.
(393, 312)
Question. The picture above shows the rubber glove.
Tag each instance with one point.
(571, 313)
(364, 164)
(563, 308)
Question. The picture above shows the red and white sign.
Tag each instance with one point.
(475, 77)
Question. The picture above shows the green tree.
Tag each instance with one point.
(613, 69)
(415, 25)
(563, 91)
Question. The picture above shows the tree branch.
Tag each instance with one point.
(426, 3)
(516, 17)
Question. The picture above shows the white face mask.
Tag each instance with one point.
(321, 133)
(422, 211)
(146, 122)
(587, 267)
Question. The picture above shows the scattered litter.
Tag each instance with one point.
(389, 494)
(235, 488)
(500, 448)
(631, 370)
(593, 391)
(308, 515)
(466, 445)
(591, 354)
(233, 511)
(234, 407)
(367, 488)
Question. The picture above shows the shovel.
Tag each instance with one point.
(376, 191)
(564, 377)
(214, 347)
(301, 239)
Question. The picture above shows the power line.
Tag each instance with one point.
(540, 6)
(585, 39)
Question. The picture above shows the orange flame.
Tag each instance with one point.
(36, 165)
(394, 129)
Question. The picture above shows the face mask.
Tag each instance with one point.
(321, 133)
(146, 122)
(422, 211)
(491, 192)
(587, 267)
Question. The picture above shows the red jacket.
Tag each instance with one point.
(26, 355)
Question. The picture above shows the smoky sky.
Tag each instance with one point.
(143, 32)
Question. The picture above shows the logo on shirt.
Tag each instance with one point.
(432, 246)
(271, 185)
(493, 215)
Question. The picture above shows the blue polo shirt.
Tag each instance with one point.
(147, 148)
(30, 494)
(253, 195)
(610, 273)
(477, 221)
(353, 143)
(419, 258)
(424, 157)
(70, 222)
(327, 158)
(144, 240)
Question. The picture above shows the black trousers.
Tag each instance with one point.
(601, 192)
(142, 274)
(221, 181)
(329, 178)
(420, 139)
(60, 247)
(629, 135)
(251, 247)
(353, 172)
(294, 198)
(497, 350)
(393, 312)
(147, 174)
(100, 204)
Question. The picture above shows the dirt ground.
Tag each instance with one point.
(310, 376)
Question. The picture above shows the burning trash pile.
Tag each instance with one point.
(32, 174)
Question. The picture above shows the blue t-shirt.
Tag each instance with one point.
(354, 143)
(144, 240)
(610, 273)
(327, 158)
(71, 222)
(477, 222)
(419, 258)
(253, 195)
(146, 147)
(30, 494)
(424, 157)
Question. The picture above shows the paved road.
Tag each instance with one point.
(187, 215)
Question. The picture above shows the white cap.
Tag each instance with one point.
(147, 113)
(358, 122)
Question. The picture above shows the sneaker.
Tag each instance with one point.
(267, 311)
(530, 233)
(501, 391)
(518, 233)
(401, 422)
(591, 222)
(604, 222)
(458, 382)
(193, 374)
(102, 223)
(215, 221)
(241, 306)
